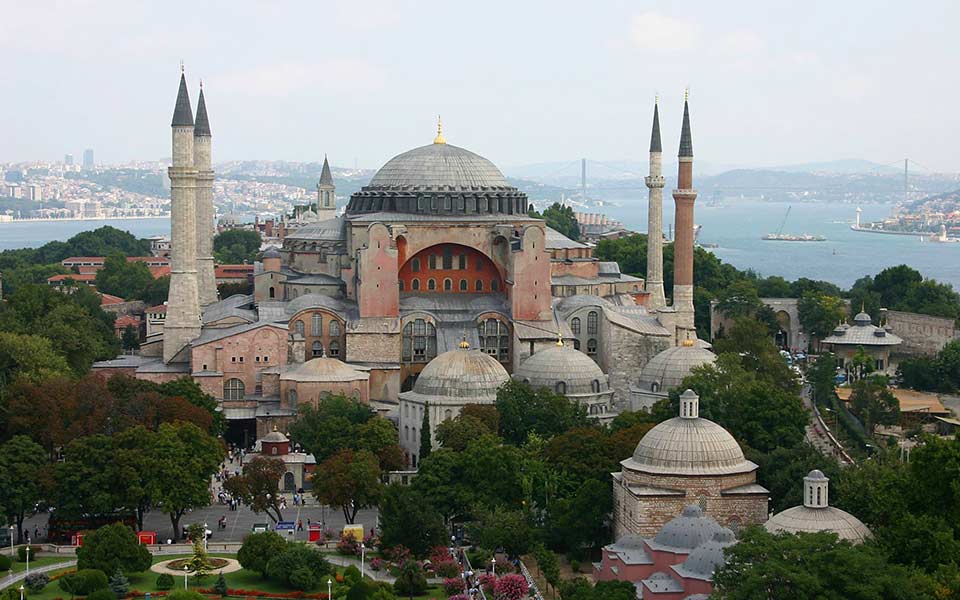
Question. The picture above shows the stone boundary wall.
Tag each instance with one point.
(922, 335)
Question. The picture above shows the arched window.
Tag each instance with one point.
(316, 326)
(415, 265)
(447, 415)
(576, 344)
(415, 285)
(561, 387)
(419, 341)
(406, 432)
(447, 285)
(592, 323)
(317, 349)
(595, 386)
(463, 285)
(495, 285)
(298, 327)
(479, 285)
(495, 338)
(292, 399)
(463, 262)
(273, 293)
(575, 325)
(433, 262)
(655, 387)
(400, 284)
(233, 389)
(335, 349)
(431, 284)
(591, 347)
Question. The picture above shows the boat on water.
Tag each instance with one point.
(780, 236)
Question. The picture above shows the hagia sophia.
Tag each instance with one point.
(432, 289)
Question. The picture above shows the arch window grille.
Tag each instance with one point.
(334, 328)
(431, 284)
(495, 285)
(316, 324)
(561, 387)
(335, 349)
(495, 338)
(592, 322)
(419, 341)
(292, 398)
(591, 347)
(595, 386)
(447, 415)
(433, 262)
(317, 349)
(233, 389)
(298, 327)
(447, 285)
(415, 265)
(576, 344)
(463, 285)
(415, 285)
(575, 325)
(447, 259)
(479, 285)
(463, 262)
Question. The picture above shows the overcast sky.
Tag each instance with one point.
(516, 81)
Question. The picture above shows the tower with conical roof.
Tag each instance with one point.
(326, 193)
(655, 183)
(183, 308)
(202, 162)
(684, 197)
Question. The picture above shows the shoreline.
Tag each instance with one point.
(78, 219)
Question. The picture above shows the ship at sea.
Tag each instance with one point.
(780, 236)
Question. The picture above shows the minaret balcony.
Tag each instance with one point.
(655, 181)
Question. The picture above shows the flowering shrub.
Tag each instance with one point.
(487, 582)
(453, 585)
(347, 545)
(442, 563)
(504, 566)
(398, 554)
(460, 597)
(377, 563)
(510, 587)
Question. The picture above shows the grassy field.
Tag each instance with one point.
(43, 561)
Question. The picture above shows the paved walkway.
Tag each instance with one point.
(816, 432)
(20, 576)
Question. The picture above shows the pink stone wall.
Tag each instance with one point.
(241, 356)
(378, 295)
(529, 274)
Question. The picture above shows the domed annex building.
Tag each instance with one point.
(666, 372)
(573, 374)
(684, 460)
(678, 562)
(438, 246)
(817, 515)
(447, 384)
(878, 343)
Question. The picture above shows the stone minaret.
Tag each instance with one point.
(655, 184)
(326, 193)
(183, 307)
(684, 197)
(202, 161)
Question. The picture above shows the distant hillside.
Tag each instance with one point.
(849, 165)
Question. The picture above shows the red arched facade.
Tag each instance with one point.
(450, 268)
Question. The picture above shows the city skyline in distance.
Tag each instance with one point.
(519, 84)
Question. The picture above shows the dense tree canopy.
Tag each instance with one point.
(561, 218)
(525, 410)
(23, 466)
(236, 246)
(111, 548)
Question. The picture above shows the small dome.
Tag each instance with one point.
(705, 558)
(461, 375)
(689, 530)
(689, 445)
(862, 318)
(271, 252)
(667, 370)
(816, 475)
(436, 165)
(324, 369)
(811, 520)
(274, 437)
(564, 364)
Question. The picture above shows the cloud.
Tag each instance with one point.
(367, 16)
(282, 79)
(741, 42)
(654, 31)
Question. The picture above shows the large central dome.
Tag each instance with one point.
(439, 179)
(439, 167)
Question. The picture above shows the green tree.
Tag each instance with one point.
(220, 586)
(580, 589)
(758, 354)
(380, 436)
(22, 464)
(351, 481)
(873, 402)
(113, 548)
(774, 287)
(119, 584)
(407, 518)
(411, 581)
(511, 530)
(549, 565)
(814, 566)
(782, 471)
(130, 339)
(740, 299)
(426, 437)
(920, 373)
(29, 358)
(822, 375)
(948, 366)
(487, 414)
(123, 278)
(258, 549)
(457, 433)
(580, 521)
(259, 486)
(182, 460)
(331, 426)
(562, 218)
(820, 313)
(236, 246)
(524, 410)
(283, 568)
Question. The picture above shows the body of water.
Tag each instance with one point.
(735, 225)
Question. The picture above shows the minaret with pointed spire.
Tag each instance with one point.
(203, 163)
(326, 193)
(655, 183)
(684, 197)
(183, 308)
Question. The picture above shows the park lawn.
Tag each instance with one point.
(42, 561)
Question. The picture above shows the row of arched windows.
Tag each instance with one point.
(592, 321)
(316, 326)
(333, 349)
(463, 285)
(419, 341)
(494, 338)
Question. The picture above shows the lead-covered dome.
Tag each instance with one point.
(688, 530)
(439, 179)
(324, 369)
(460, 376)
(688, 445)
(816, 514)
(563, 364)
(667, 370)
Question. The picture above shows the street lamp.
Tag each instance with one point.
(27, 550)
(186, 570)
(204, 537)
(363, 550)
(329, 583)
(21, 591)
(493, 566)
(11, 546)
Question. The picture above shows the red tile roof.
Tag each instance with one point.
(160, 308)
(78, 277)
(108, 299)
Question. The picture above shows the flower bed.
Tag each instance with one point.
(212, 563)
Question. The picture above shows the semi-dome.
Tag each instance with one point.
(562, 363)
(667, 370)
(324, 369)
(689, 445)
(817, 515)
(459, 376)
(441, 179)
(688, 530)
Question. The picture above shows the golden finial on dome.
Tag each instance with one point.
(559, 337)
(464, 344)
(687, 343)
(439, 139)
(686, 93)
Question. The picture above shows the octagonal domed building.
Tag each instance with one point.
(684, 460)
(572, 373)
(666, 371)
(449, 382)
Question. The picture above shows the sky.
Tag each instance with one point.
(519, 82)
